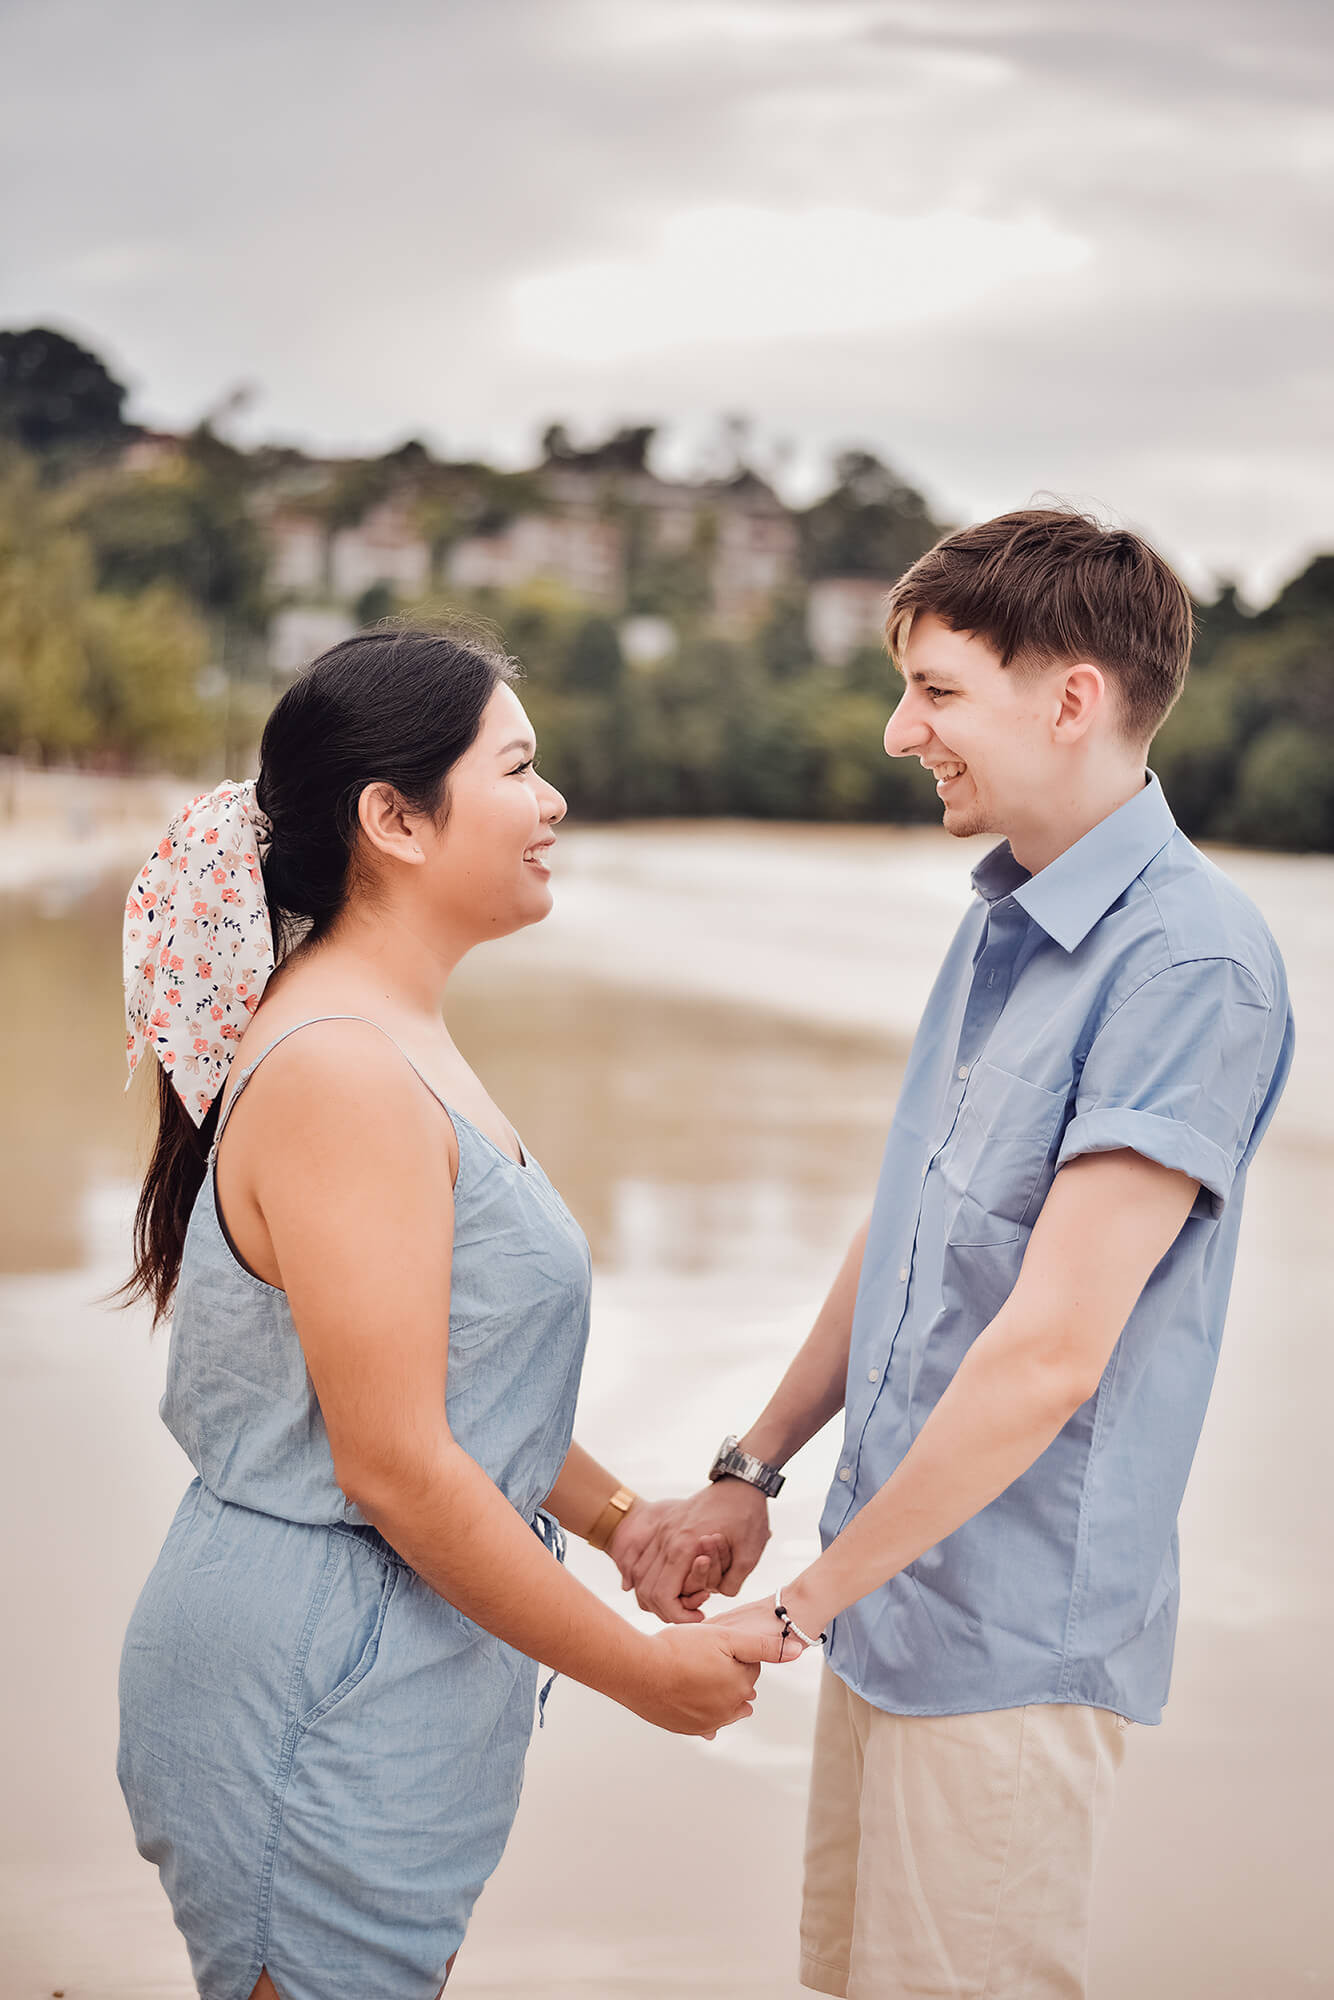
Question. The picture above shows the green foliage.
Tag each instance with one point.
(593, 663)
(144, 657)
(376, 603)
(1284, 794)
(46, 580)
(1195, 753)
(870, 524)
(718, 728)
(55, 395)
(784, 649)
(1248, 752)
(117, 586)
(186, 523)
(81, 672)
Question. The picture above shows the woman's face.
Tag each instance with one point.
(490, 861)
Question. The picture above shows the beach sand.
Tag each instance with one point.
(719, 1155)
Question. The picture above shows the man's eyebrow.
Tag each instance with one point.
(923, 679)
(520, 743)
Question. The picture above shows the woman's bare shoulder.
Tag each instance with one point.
(338, 1082)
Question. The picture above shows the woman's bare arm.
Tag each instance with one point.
(350, 1161)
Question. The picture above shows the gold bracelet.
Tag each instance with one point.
(609, 1520)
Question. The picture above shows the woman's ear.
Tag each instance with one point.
(388, 826)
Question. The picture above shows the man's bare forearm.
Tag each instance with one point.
(1107, 1223)
(813, 1389)
(1010, 1397)
(810, 1393)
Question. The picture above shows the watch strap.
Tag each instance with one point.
(733, 1463)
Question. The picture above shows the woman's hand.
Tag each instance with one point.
(701, 1680)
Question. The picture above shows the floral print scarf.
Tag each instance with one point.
(198, 943)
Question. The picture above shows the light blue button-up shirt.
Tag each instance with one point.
(1128, 995)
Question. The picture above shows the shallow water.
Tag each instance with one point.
(719, 1154)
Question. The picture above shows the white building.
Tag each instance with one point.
(756, 552)
(384, 547)
(581, 551)
(843, 614)
(298, 633)
(298, 553)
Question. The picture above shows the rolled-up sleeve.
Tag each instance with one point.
(1174, 1074)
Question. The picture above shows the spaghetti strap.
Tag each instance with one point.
(244, 1078)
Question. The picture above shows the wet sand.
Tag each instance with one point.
(719, 1155)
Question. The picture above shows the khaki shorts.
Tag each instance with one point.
(952, 1855)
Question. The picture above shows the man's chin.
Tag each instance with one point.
(963, 822)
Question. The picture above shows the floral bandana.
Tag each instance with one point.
(198, 947)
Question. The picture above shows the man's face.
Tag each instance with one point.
(983, 730)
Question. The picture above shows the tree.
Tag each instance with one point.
(783, 646)
(187, 524)
(1217, 624)
(869, 524)
(46, 578)
(1308, 596)
(55, 393)
(376, 603)
(144, 656)
(594, 663)
(82, 673)
(1285, 792)
(1221, 752)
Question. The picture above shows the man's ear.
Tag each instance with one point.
(1081, 694)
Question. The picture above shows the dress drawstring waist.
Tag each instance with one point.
(552, 1535)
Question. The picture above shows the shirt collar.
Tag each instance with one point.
(1071, 893)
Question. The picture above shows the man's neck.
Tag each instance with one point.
(1067, 818)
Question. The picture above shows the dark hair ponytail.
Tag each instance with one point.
(398, 707)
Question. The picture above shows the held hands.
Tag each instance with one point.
(674, 1553)
(633, 1546)
(701, 1681)
(751, 1625)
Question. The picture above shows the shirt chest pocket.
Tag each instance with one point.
(996, 1164)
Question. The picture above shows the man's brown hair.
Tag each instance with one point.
(1040, 586)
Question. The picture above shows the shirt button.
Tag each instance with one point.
(962, 1071)
(844, 1473)
(873, 1374)
(903, 1274)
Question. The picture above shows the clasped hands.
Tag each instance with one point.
(675, 1554)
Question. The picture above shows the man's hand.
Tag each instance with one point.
(728, 1519)
(635, 1537)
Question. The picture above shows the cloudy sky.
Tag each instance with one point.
(1018, 246)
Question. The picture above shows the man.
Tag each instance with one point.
(1023, 1337)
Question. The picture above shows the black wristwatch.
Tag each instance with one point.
(733, 1463)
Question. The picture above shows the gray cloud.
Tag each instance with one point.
(338, 206)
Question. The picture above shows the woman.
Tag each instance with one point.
(381, 1305)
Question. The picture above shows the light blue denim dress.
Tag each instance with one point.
(322, 1756)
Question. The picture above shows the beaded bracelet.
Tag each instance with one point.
(790, 1626)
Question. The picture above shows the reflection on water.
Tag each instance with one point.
(682, 1134)
(67, 1123)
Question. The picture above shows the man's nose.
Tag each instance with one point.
(907, 730)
